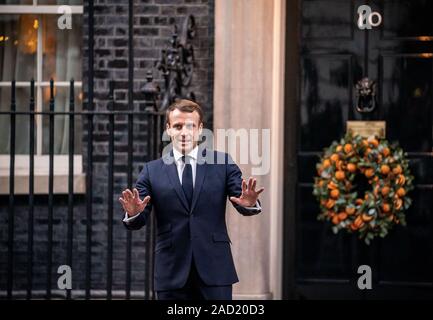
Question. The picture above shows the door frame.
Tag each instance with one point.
(291, 131)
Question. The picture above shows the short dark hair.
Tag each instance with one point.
(184, 105)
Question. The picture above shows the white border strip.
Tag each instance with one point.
(42, 84)
(26, 9)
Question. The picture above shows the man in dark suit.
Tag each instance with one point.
(188, 189)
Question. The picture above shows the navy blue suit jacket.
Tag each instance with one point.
(200, 230)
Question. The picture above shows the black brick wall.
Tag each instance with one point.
(153, 27)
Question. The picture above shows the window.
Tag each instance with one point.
(33, 46)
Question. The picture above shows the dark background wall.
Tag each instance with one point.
(153, 27)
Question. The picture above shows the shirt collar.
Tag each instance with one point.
(193, 153)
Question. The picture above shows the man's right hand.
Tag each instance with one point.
(131, 202)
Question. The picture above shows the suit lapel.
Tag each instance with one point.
(171, 171)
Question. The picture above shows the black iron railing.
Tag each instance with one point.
(176, 66)
(154, 121)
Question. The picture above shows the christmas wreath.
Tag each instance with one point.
(381, 168)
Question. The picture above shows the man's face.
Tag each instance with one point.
(184, 128)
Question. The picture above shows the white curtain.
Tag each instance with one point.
(62, 61)
(68, 65)
(14, 64)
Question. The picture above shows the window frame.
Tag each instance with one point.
(61, 167)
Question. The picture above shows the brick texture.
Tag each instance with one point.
(153, 27)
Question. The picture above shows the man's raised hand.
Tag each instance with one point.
(131, 202)
(249, 194)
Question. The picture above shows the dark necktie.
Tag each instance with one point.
(187, 185)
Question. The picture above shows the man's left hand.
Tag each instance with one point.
(249, 194)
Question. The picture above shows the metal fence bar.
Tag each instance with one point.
(110, 193)
(147, 263)
(50, 191)
(11, 194)
(129, 232)
(31, 192)
(130, 137)
(89, 177)
(71, 150)
(154, 127)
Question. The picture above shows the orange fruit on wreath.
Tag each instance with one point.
(351, 167)
(386, 151)
(348, 148)
(342, 216)
(369, 172)
(386, 207)
(339, 175)
(339, 148)
(358, 222)
(353, 227)
(385, 169)
(335, 157)
(330, 203)
(374, 142)
(335, 219)
(401, 192)
(350, 210)
(335, 193)
(401, 179)
(398, 203)
(326, 163)
(385, 191)
(397, 169)
(359, 201)
(332, 185)
(367, 217)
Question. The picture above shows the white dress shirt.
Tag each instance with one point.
(180, 166)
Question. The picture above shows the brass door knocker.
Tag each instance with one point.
(365, 95)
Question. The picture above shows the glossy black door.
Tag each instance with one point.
(334, 55)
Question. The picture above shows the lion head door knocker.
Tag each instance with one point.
(365, 95)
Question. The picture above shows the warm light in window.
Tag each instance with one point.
(28, 35)
(426, 55)
(417, 93)
(46, 93)
(425, 38)
(35, 24)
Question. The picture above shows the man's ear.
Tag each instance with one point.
(167, 129)
(200, 128)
